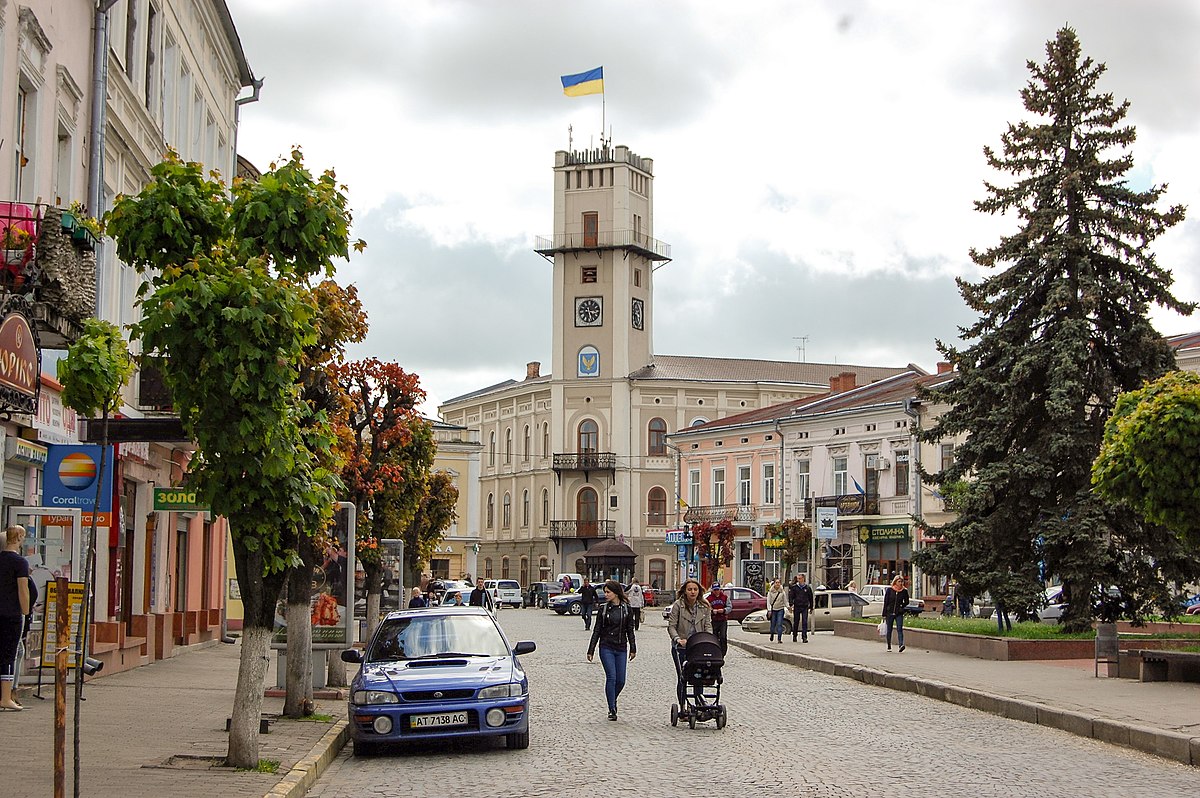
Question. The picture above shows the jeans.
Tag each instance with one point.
(615, 662)
(777, 624)
(587, 615)
(799, 619)
(637, 617)
(721, 630)
(898, 622)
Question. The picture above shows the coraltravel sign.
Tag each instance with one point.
(70, 479)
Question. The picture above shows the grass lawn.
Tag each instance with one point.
(1023, 631)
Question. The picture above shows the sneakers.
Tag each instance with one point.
(902, 649)
(612, 715)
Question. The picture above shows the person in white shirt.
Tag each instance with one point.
(636, 601)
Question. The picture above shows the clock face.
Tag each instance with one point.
(637, 314)
(588, 312)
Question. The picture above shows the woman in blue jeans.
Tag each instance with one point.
(895, 600)
(776, 605)
(614, 632)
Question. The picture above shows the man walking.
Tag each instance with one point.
(480, 597)
(637, 600)
(587, 600)
(800, 596)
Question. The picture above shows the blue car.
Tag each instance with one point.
(438, 672)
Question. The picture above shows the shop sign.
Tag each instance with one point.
(70, 477)
(678, 537)
(774, 543)
(883, 533)
(55, 422)
(20, 371)
(25, 451)
(173, 500)
(827, 523)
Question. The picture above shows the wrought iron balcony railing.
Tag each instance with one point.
(651, 248)
(846, 504)
(585, 461)
(721, 512)
(582, 529)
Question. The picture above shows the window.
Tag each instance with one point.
(545, 439)
(658, 437)
(26, 137)
(658, 574)
(528, 441)
(589, 437)
(508, 443)
(591, 229)
(504, 568)
(545, 506)
(587, 513)
(841, 600)
(524, 578)
(803, 484)
(131, 17)
(151, 59)
(656, 505)
(491, 510)
(587, 274)
(901, 473)
(507, 517)
(841, 478)
(487, 568)
(543, 568)
(947, 455)
(524, 508)
(492, 449)
(743, 485)
(718, 486)
(768, 478)
(637, 277)
(694, 487)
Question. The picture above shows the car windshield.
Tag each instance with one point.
(427, 636)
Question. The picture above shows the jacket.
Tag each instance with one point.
(636, 599)
(720, 601)
(894, 602)
(480, 597)
(587, 594)
(683, 622)
(613, 628)
(776, 598)
(800, 596)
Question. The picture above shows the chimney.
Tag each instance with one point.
(835, 384)
(849, 380)
(533, 370)
(944, 367)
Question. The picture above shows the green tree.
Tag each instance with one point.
(1148, 458)
(1063, 328)
(434, 514)
(796, 538)
(227, 303)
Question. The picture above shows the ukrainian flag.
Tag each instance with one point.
(590, 82)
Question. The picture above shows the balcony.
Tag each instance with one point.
(644, 245)
(585, 462)
(846, 504)
(582, 530)
(721, 512)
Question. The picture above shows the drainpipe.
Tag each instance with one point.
(98, 122)
(912, 409)
(678, 494)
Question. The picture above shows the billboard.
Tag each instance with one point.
(70, 479)
(332, 606)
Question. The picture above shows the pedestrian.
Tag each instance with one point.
(587, 600)
(964, 603)
(614, 633)
(480, 597)
(776, 604)
(852, 587)
(800, 596)
(15, 604)
(721, 605)
(566, 584)
(417, 599)
(895, 600)
(689, 614)
(637, 600)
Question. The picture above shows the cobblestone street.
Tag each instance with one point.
(791, 730)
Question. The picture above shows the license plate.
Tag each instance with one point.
(440, 719)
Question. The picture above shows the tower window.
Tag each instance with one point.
(591, 229)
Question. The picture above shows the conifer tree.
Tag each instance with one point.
(1063, 329)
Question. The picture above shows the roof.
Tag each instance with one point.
(245, 75)
(609, 547)
(1185, 341)
(728, 369)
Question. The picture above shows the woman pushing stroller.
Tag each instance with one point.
(689, 614)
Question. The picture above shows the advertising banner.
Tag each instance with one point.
(50, 623)
(333, 589)
(827, 522)
(70, 479)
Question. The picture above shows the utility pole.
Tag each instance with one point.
(800, 347)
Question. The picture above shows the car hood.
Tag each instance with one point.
(429, 674)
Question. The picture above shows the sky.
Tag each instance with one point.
(816, 164)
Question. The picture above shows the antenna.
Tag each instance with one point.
(800, 347)
(570, 137)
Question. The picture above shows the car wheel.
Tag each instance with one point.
(364, 748)
(674, 714)
(576, 609)
(518, 741)
(787, 626)
(721, 718)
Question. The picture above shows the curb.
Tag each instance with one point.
(306, 772)
(1164, 743)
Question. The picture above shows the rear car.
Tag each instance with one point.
(505, 592)
(540, 593)
(436, 673)
(828, 606)
(743, 601)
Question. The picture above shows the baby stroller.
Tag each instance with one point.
(701, 678)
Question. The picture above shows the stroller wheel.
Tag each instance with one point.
(721, 718)
(674, 714)
(691, 720)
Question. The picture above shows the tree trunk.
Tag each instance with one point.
(335, 673)
(247, 700)
(299, 681)
(373, 582)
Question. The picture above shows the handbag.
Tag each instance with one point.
(883, 628)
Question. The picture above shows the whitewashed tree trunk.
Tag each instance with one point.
(374, 599)
(335, 671)
(299, 660)
(248, 698)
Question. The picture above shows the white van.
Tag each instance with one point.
(576, 580)
(505, 591)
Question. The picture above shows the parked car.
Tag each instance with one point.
(874, 609)
(873, 593)
(1194, 609)
(828, 606)
(438, 672)
(540, 593)
(505, 592)
(448, 587)
(565, 603)
(745, 601)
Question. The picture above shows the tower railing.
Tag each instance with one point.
(652, 248)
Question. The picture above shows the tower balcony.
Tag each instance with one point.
(582, 530)
(642, 244)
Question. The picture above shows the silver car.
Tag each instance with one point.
(828, 606)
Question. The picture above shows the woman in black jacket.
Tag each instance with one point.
(613, 630)
(895, 601)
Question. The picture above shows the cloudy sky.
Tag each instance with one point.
(815, 162)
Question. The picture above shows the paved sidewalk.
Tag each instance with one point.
(154, 730)
(1161, 718)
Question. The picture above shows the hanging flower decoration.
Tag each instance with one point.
(793, 538)
(718, 549)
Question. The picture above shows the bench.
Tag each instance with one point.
(1156, 665)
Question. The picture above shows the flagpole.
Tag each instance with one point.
(603, 111)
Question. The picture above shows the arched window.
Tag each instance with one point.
(487, 568)
(524, 575)
(656, 506)
(507, 517)
(492, 449)
(589, 437)
(504, 568)
(524, 508)
(658, 574)
(587, 513)
(528, 451)
(545, 506)
(491, 510)
(545, 439)
(657, 437)
(508, 446)
(543, 568)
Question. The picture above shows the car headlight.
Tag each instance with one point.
(367, 697)
(510, 690)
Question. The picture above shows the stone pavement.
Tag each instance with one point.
(156, 731)
(1161, 718)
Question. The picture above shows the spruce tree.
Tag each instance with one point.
(1063, 329)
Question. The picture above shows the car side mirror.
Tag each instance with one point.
(525, 647)
(352, 655)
